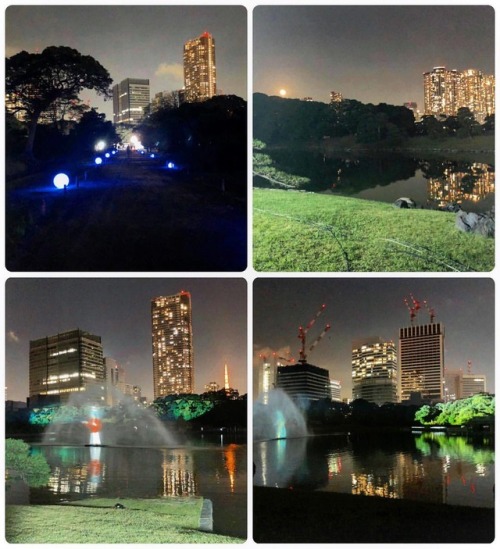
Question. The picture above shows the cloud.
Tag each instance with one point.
(175, 70)
(12, 336)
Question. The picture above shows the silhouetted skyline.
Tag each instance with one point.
(119, 310)
(360, 308)
(374, 54)
(135, 41)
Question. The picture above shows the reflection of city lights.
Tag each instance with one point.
(480, 470)
(230, 461)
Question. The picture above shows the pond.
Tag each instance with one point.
(433, 184)
(214, 469)
(429, 467)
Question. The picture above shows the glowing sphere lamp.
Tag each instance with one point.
(61, 180)
(170, 165)
(107, 155)
(98, 160)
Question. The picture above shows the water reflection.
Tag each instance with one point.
(432, 183)
(428, 467)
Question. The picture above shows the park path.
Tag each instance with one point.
(131, 215)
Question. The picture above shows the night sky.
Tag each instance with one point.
(374, 54)
(367, 307)
(119, 310)
(136, 41)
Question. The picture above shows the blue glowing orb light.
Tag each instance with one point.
(107, 155)
(98, 160)
(152, 155)
(170, 165)
(61, 180)
(113, 152)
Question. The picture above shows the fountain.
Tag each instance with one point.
(125, 423)
(275, 416)
(280, 432)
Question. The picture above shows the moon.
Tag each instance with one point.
(282, 92)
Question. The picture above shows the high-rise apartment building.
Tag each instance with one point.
(130, 99)
(199, 68)
(64, 364)
(374, 371)
(335, 390)
(336, 97)
(421, 362)
(172, 332)
(446, 91)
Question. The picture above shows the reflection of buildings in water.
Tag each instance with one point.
(457, 187)
(178, 474)
(80, 478)
(334, 463)
(230, 464)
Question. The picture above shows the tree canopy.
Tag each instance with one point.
(457, 412)
(36, 81)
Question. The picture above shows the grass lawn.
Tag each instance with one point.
(97, 521)
(298, 231)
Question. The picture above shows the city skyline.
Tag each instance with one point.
(373, 54)
(147, 41)
(119, 311)
(364, 308)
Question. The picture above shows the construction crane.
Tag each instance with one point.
(411, 310)
(303, 333)
(469, 367)
(431, 312)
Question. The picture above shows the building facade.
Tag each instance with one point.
(335, 390)
(304, 381)
(374, 371)
(66, 364)
(199, 69)
(172, 334)
(472, 384)
(446, 91)
(130, 99)
(421, 362)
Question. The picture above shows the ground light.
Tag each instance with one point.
(61, 180)
(98, 160)
(170, 165)
(107, 155)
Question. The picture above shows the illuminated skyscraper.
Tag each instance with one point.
(173, 371)
(130, 98)
(421, 361)
(447, 91)
(336, 97)
(64, 364)
(374, 371)
(199, 68)
(304, 382)
(440, 91)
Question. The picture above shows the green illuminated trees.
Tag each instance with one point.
(457, 412)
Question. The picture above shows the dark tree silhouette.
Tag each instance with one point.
(35, 81)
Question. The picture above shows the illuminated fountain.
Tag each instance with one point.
(278, 419)
(126, 423)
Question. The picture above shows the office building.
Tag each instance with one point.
(472, 384)
(374, 371)
(421, 362)
(199, 68)
(335, 390)
(304, 382)
(440, 92)
(66, 364)
(172, 333)
(130, 99)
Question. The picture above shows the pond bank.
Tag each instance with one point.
(321, 517)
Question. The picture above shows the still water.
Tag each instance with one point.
(433, 184)
(428, 467)
(217, 471)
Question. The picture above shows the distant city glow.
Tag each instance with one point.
(61, 180)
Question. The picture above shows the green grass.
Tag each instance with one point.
(297, 231)
(96, 521)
